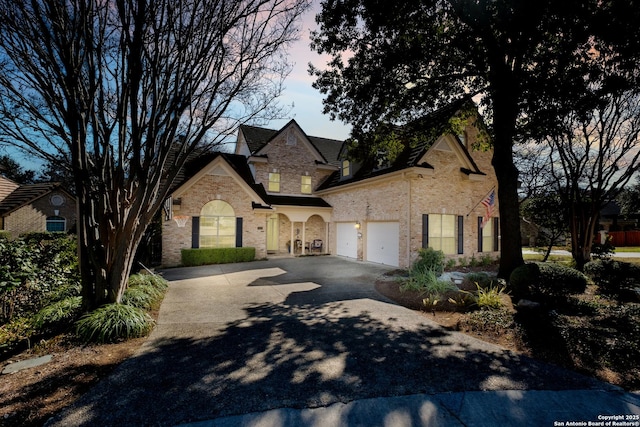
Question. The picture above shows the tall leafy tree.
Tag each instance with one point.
(392, 62)
(592, 161)
(126, 90)
(12, 170)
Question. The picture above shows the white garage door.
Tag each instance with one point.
(347, 239)
(383, 242)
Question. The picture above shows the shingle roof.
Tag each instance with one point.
(430, 128)
(257, 137)
(26, 194)
(316, 202)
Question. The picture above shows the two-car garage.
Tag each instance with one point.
(381, 241)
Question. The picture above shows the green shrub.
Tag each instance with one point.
(18, 329)
(613, 277)
(429, 260)
(463, 261)
(481, 279)
(451, 263)
(426, 281)
(204, 256)
(4, 235)
(488, 321)
(541, 279)
(145, 291)
(60, 311)
(35, 272)
(486, 260)
(114, 322)
(490, 298)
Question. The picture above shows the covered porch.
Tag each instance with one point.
(298, 230)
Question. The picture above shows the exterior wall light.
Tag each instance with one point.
(358, 225)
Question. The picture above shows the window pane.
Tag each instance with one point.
(305, 185)
(442, 233)
(345, 168)
(274, 182)
(217, 208)
(55, 223)
(487, 237)
(227, 226)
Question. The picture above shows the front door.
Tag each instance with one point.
(272, 233)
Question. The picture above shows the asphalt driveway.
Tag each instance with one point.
(295, 333)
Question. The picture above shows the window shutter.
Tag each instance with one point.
(195, 232)
(425, 231)
(460, 235)
(479, 234)
(238, 232)
(496, 229)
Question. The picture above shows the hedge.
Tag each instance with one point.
(543, 279)
(204, 256)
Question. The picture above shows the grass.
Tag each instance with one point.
(628, 249)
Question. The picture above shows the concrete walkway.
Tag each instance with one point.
(309, 342)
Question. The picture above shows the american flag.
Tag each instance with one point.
(489, 203)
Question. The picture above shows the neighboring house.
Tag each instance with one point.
(35, 208)
(282, 191)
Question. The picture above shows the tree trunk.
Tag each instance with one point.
(505, 113)
(106, 253)
(583, 231)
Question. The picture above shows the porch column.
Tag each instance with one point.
(325, 246)
(293, 241)
(304, 240)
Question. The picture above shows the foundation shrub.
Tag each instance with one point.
(204, 256)
(429, 260)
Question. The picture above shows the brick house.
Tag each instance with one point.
(283, 191)
(35, 208)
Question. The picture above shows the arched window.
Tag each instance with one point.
(56, 223)
(217, 225)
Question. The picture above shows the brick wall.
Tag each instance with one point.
(213, 187)
(292, 162)
(33, 217)
(446, 191)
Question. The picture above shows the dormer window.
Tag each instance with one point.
(346, 168)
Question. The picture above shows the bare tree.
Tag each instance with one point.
(592, 160)
(125, 90)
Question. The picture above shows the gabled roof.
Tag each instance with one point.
(26, 194)
(257, 138)
(239, 164)
(6, 187)
(430, 128)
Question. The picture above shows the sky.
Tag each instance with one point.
(307, 101)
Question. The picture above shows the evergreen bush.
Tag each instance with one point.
(204, 256)
(429, 260)
(114, 322)
(542, 279)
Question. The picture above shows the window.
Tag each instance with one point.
(274, 182)
(217, 225)
(441, 233)
(346, 168)
(487, 235)
(305, 184)
(56, 223)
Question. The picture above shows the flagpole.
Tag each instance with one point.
(485, 196)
